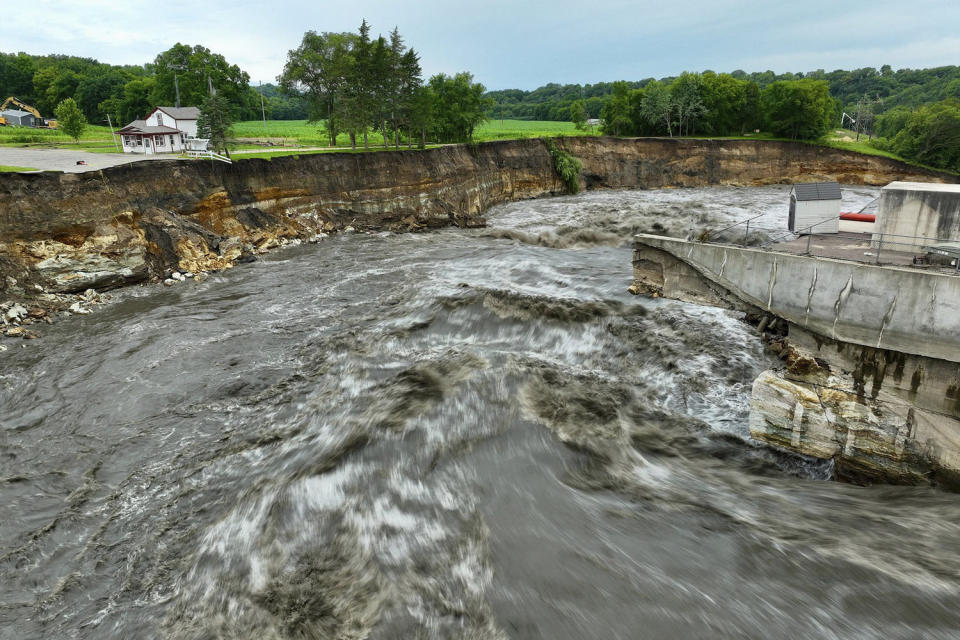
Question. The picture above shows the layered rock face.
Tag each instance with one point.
(71, 232)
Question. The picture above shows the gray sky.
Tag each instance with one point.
(515, 44)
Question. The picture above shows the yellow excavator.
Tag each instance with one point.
(40, 122)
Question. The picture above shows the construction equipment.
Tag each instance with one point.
(41, 123)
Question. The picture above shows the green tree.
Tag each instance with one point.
(657, 106)
(686, 92)
(421, 113)
(193, 70)
(616, 112)
(70, 119)
(798, 109)
(215, 122)
(725, 100)
(459, 106)
(320, 70)
(930, 134)
(578, 114)
(134, 101)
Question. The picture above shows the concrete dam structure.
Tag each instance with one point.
(872, 377)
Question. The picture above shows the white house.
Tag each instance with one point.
(164, 130)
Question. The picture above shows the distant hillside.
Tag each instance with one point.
(884, 87)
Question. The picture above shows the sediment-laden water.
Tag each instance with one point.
(457, 434)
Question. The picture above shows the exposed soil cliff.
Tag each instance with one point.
(71, 232)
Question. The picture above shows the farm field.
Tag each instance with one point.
(299, 132)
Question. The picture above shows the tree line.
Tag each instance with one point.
(716, 104)
(884, 87)
(126, 92)
(353, 84)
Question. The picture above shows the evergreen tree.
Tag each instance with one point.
(215, 122)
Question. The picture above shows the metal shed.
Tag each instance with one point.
(815, 208)
(19, 118)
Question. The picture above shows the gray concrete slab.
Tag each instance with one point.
(66, 159)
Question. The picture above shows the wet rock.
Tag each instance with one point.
(169, 282)
(15, 313)
(15, 332)
(188, 274)
(77, 309)
(871, 439)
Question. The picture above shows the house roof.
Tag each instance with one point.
(180, 113)
(140, 126)
(817, 191)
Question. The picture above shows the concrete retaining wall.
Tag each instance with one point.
(899, 309)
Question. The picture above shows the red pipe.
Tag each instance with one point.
(859, 217)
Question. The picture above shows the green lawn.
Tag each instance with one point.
(291, 133)
(8, 169)
(94, 138)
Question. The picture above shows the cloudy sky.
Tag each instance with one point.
(515, 44)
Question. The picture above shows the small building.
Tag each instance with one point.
(913, 215)
(164, 130)
(815, 208)
(18, 118)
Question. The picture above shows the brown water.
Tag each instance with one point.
(458, 434)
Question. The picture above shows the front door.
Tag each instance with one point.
(147, 145)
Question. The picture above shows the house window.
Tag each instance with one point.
(158, 141)
(139, 141)
(171, 140)
(159, 119)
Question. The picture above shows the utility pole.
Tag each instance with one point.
(263, 111)
(110, 124)
(176, 88)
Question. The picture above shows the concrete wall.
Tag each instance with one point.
(910, 211)
(899, 309)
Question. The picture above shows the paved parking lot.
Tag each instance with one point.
(66, 159)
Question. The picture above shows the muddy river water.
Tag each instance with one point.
(455, 434)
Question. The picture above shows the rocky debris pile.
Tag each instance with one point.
(20, 319)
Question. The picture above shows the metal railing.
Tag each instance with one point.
(883, 248)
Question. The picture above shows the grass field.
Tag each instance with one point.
(94, 138)
(8, 169)
(299, 132)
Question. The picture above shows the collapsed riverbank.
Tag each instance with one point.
(61, 235)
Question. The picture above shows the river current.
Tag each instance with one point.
(456, 434)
